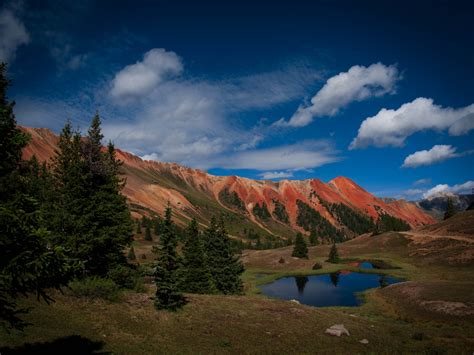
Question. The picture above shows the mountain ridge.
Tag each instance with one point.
(269, 207)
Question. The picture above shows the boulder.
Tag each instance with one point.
(337, 330)
(364, 341)
(295, 301)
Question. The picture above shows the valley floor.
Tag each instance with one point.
(433, 313)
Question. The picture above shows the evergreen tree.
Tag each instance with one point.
(30, 263)
(313, 237)
(93, 215)
(289, 241)
(225, 267)
(157, 225)
(300, 249)
(333, 255)
(197, 276)
(450, 209)
(167, 267)
(148, 233)
(139, 227)
(131, 254)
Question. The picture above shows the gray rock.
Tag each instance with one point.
(364, 341)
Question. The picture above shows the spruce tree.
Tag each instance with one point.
(450, 209)
(131, 254)
(93, 215)
(313, 237)
(197, 276)
(225, 267)
(333, 255)
(300, 249)
(139, 227)
(148, 233)
(30, 262)
(168, 295)
(157, 225)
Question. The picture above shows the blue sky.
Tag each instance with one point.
(380, 93)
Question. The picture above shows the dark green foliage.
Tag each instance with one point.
(95, 287)
(261, 211)
(311, 220)
(231, 199)
(289, 241)
(197, 276)
(131, 254)
(139, 227)
(300, 249)
(167, 267)
(157, 222)
(280, 212)
(388, 223)
(313, 237)
(92, 215)
(225, 267)
(355, 221)
(450, 209)
(148, 233)
(30, 262)
(126, 276)
(333, 255)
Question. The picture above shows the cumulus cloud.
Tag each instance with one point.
(443, 189)
(270, 175)
(357, 84)
(392, 127)
(12, 35)
(436, 154)
(138, 79)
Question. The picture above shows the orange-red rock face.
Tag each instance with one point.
(146, 185)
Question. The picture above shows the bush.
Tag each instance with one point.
(95, 287)
(127, 277)
(317, 266)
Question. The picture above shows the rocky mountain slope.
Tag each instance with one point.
(337, 209)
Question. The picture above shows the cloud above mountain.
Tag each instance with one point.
(443, 189)
(392, 127)
(434, 155)
(13, 34)
(357, 84)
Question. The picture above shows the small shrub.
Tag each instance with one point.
(131, 254)
(95, 287)
(281, 261)
(317, 266)
(143, 256)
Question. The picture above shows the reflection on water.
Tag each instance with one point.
(336, 289)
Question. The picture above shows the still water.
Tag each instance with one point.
(337, 289)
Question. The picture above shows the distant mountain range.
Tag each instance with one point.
(436, 206)
(271, 209)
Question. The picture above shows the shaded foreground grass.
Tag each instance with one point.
(396, 319)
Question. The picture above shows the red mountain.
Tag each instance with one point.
(267, 207)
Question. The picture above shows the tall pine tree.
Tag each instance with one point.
(197, 276)
(225, 267)
(93, 215)
(167, 273)
(300, 250)
(30, 263)
(333, 255)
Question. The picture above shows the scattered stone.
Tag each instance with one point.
(317, 266)
(337, 330)
(352, 315)
(364, 341)
(295, 301)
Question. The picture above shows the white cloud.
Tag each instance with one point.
(357, 84)
(444, 189)
(303, 155)
(413, 192)
(436, 154)
(12, 35)
(138, 79)
(269, 175)
(422, 182)
(392, 127)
